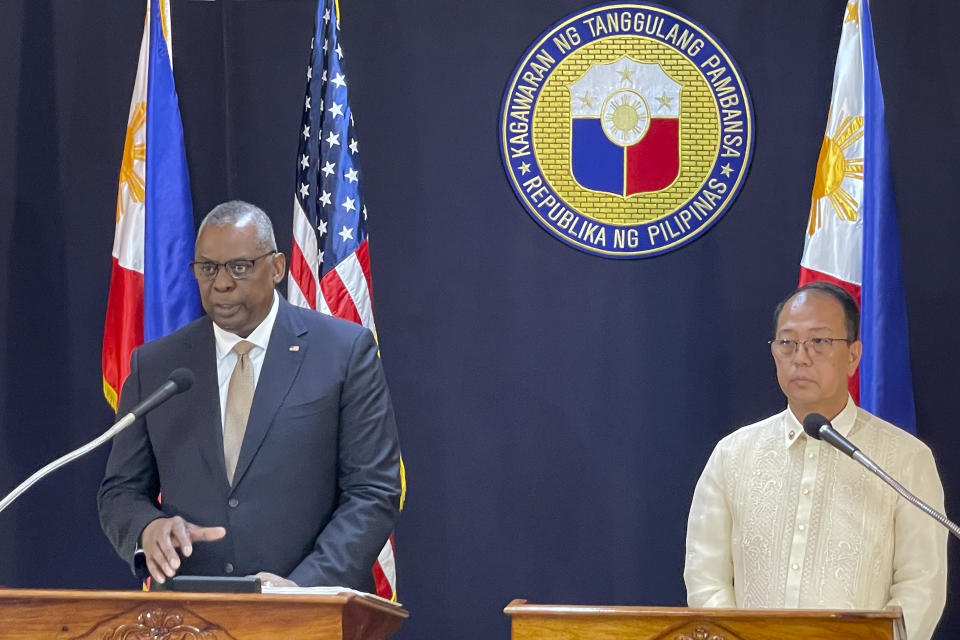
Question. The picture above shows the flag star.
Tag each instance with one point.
(726, 170)
(333, 139)
(304, 161)
(306, 106)
(321, 104)
(328, 168)
(325, 200)
(322, 227)
(339, 51)
(326, 15)
(336, 110)
(306, 132)
(351, 175)
(351, 118)
(524, 168)
(364, 212)
(346, 234)
(349, 204)
(353, 146)
(309, 73)
(304, 189)
(324, 45)
(321, 257)
(312, 40)
(339, 80)
(323, 76)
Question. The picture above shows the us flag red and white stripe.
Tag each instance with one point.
(330, 257)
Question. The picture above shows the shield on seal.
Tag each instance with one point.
(625, 128)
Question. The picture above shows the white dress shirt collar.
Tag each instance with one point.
(843, 423)
(260, 336)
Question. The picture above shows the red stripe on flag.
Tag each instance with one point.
(384, 590)
(809, 275)
(338, 298)
(122, 329)
(302, 274)
(363, 256)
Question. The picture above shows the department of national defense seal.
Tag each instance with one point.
(626, 130)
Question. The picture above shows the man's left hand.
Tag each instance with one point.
(273, 580)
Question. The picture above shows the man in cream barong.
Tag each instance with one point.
(781, 520)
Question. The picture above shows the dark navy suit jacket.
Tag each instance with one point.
(317, 485)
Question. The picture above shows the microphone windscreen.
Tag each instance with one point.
(812, 424)
(182, 377)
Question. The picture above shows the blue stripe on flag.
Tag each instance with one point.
(886, 383)
(170, 297)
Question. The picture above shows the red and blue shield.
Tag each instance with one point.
(625, 128)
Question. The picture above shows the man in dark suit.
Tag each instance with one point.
(282, 460)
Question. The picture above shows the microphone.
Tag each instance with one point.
(178, 381)
(818, 427)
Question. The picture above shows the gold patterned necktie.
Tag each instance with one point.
(239, 399)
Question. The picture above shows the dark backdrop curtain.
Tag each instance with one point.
(555, 408)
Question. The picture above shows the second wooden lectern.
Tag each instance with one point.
(543, 622)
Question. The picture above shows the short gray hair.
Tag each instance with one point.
(238, 213)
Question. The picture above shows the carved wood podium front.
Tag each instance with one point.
(571, 622)
(136, 615)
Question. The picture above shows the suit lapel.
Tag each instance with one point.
(203, 352)
(280, 369)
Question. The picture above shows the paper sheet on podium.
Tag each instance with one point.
(325, 591)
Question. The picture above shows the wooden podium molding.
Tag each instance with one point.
(137, 615)
(571, 622)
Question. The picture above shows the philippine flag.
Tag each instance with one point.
(625, 129)
(852, 238)
(152, 291)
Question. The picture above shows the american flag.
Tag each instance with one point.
(330, 262)
(330, 259)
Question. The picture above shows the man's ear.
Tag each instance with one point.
(856, 350)
(279, 263)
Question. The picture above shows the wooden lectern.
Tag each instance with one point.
(540, 622)
(137, 615)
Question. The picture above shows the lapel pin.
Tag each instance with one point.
(294, 347)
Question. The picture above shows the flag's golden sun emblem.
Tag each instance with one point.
(625, 117)
(833, 166)
(133, 152)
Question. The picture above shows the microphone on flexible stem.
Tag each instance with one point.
(820, 428)
(178, 381)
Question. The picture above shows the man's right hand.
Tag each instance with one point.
(161, 539)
